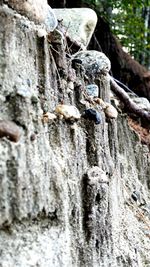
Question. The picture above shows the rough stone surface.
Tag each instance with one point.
(66, 197)
(36, 10)
(96, 65)
(95, 62)
(79, 23)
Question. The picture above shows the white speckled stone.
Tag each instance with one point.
(96, 174)
(95, 63)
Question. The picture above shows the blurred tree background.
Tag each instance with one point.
(129, 20)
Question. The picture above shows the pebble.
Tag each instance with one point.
(92, 115)
(23, 87)
(48, 117)
(34, 99)
(111, 111)
(33, 137)
(134, 196)
(68, 111)
(10, 130)
(92, 90)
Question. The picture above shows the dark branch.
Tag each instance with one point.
(130, 106)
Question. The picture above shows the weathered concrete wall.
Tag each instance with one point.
(67, 197)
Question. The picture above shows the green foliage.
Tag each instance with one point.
(129, 21)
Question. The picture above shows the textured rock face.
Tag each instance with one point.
(36, 10)
(79, 23)
(95, 62)
(68, 197)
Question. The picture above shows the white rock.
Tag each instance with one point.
(97, 175)
(79, 23)
(41, 33)
(94, 62)
(48, 117)
(63, 83)
(71, 85)
(68, 112)
(36, 10)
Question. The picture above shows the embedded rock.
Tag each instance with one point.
(110, 111)
(92, 90)
(68, 112)
(79, 24)
(48, 117)
(41, 33)
(93, 115)
(94, 62)
(9, 130)
(97, 175)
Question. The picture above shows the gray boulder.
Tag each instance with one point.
(79, 23)
(94, 62)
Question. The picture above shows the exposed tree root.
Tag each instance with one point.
(129, 105)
